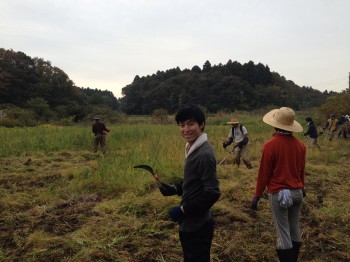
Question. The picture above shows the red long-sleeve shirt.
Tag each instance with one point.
(282, 164)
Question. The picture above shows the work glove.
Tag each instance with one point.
(321, 132)
(176, 214)
(167, 190)
(304, 194)
(255, 201)
(224, 145)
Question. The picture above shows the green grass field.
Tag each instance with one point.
(61, 202)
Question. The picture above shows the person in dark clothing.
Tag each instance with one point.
(342, 127)
(100, 130)
(199, 189)
(312, 132)
(347, 125)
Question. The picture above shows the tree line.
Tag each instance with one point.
(33, 90)
(230, 87)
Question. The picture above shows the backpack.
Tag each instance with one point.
(245, 140)
(240, 128)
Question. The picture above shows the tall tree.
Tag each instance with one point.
(206, 66)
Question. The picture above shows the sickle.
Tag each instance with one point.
(149, 169)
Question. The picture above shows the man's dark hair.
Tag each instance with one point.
(190, 112)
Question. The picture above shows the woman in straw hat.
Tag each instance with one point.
(282, 170)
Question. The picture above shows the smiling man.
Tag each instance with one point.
(199, 189)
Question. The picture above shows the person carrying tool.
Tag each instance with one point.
(239, 134)
(312, 133)
(331, 126)
(100, 130)
(199, 189)
(282, 172)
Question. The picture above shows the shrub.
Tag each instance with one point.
(160, 116)
(14, 116)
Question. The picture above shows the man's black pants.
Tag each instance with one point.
(196, 245)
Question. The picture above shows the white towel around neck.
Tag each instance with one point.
(200, 140)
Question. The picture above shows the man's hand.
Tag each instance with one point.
(304, 194)
(176, 213)
(255, 201)
(167, 190)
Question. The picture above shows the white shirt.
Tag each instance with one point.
(238, 135)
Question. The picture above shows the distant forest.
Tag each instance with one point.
(229, 87)
(33, 88)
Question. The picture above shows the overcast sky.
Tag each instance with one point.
(104, 44)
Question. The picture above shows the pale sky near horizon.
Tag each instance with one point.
(104, 44)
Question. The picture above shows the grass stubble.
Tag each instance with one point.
(61, 202)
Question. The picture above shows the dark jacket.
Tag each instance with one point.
(200, 188)
(341, 120)
(312, 131)
(98, 128)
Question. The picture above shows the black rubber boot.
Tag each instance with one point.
(286, 255)
(296, 248)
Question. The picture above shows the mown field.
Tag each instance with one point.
(61, 202)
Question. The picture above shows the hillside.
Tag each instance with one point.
(228, 87)
(45, 91)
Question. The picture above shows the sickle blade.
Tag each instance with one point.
(146, 167)
(149, 169)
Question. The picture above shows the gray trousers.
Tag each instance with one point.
(286, 220)
(313, 143)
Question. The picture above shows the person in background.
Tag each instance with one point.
(347, 124)
(239, 134)
(342, 128)
(312, 132)
(282, 172)
(331, 126)
(199, 189)
(100, 130)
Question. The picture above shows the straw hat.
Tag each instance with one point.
(233, 121)
(96, 117)
(283, 118)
